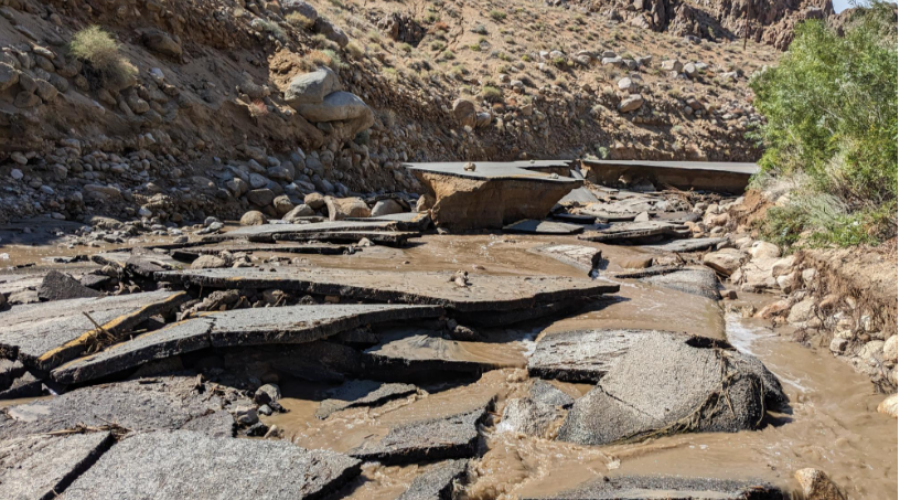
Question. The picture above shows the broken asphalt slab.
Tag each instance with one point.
(490, 194)
(527, 416)
(388, 238)
(42, 466)
(583, 356)
(686, 245)
(60, 286)
(670, 488)
(480, 294)
(44, 336)
(135, 405)
(664, 386)
(358, 393)
(542, 227)
(268, 233)
(192, 253)
(583, 257)
(700, 281)
(425, 354)
(634, 232)
(190, 465)
(454, 436)
(436, 483)
(240, 327)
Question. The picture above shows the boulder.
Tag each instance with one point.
(311, 88)
(301, 7)
(664, 386)
(332, 32)
(725, 261)
(282, 205)
(672, 65)
(298, 213)
(314, 200)
(160, 41)
(464, 111)
(341, 208)
(59, 286)
(764, 250)
(631, 103)
(387, 207)
(253, 218)
(337, 106)
(261, 197)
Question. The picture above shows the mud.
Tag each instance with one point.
(484, 407)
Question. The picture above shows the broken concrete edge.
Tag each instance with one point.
(497, 171)
(439, 451)
(522, 307)
(92, 452)
(498, 319)
(613, 487)
(147, 461)
(437, 483)
(592, 376)
(108, 362)
(392, 238)
(118, 329)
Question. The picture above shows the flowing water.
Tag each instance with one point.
(831, 425)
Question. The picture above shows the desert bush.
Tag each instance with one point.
(298, 20)
(356, 49)
(491, 93)
(98, 48)
(497, 15)
(270, 27)
(831, 115)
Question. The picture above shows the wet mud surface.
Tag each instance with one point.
(830, 423)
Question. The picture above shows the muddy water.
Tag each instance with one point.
(832, 424)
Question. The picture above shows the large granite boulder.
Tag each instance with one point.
(311, 88)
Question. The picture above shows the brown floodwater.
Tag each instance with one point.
(832, 425)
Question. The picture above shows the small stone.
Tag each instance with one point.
(816, 485)
(16, 174)
(246, 415)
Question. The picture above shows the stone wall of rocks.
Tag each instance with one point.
(822, 306)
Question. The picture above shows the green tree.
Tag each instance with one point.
(831, 113)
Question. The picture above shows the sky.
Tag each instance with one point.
(842, 5)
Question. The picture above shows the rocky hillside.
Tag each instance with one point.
(204, 101)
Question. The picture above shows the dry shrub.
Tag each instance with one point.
(98, 48)
(298, 20)
(356, 49)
